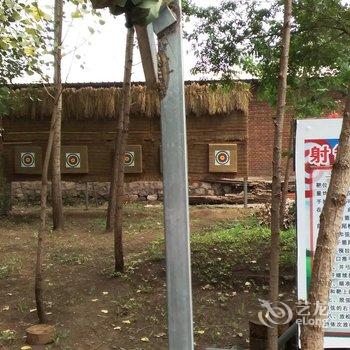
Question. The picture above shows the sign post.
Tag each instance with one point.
(316, 148)
(176, 211)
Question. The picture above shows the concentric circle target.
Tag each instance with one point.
(129, 159)
(27, 160)
(222, 157)
(73, 160)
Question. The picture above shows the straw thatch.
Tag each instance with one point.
(103, 103)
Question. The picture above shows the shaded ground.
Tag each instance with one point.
(94, 309)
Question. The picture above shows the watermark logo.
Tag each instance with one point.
(274, 314)
(280, 313)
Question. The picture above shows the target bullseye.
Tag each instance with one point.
(129, 159)
(72, 160)
(222, 157)
(27, 160)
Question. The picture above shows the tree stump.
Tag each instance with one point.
(40, 334)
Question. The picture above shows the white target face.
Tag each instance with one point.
(222, 157)
(27, 160)
(73, 160)
(129, 159)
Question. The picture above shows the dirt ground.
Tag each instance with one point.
(92, 308)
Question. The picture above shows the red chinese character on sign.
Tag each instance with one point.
(335, 151)
(320, 155)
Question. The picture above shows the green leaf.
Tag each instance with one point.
(76, 14)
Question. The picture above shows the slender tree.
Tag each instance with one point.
(287, 171)
(55, 119)
(57, 204)
(43, 214)
(328, 236)
(277, 160)
(115, 210)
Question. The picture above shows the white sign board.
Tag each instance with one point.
(316, 149)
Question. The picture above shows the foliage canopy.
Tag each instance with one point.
(243, 35)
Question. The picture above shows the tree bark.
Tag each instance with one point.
(287, 175)
(43, 209)
(57, 204)
(5, 186)
(55, 119)
(277, 159)
(328, 236)
(116, 201)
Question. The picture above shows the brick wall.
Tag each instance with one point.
(98, 136)
(260, 136)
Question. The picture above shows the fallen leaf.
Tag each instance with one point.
(6, 308)
(160, 335)
(145, 339)
(126, 322)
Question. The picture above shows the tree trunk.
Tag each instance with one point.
(43, 207)
(57, 205)
(277, 159)
(5, 186)
(287, 175)
(116, 201)
(55, 119)
(328, 236)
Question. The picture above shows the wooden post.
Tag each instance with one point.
(86, 196)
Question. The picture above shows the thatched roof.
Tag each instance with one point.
(103, 103)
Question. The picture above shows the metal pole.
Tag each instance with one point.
(245, 192)
(95, 194)
(176, 213)
(291, 332)
(86, 196)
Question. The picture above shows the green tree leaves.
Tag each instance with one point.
(23, 37)
(242, 35)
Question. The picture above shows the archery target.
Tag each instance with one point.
(27, 160)
(73, 160)
(129, 159)
(222, 157)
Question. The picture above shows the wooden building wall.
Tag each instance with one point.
(98, 135)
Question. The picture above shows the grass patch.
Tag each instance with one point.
(233, 250)
(136, 218)
(7, 337)
(10, 268)
(69, 256)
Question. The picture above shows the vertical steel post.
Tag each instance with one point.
(176, 211)
(245, 185)
(86, 196)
